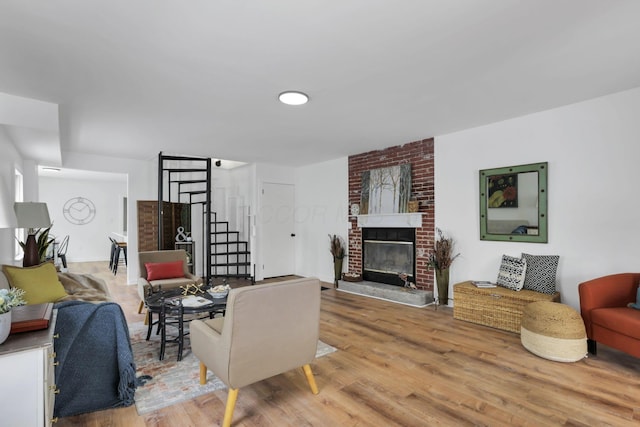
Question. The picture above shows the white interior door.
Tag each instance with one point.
(277, 223)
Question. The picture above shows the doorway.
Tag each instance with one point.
(277, 225)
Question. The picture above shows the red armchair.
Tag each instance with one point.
(608, 320)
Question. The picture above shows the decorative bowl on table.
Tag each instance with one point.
(220, 291)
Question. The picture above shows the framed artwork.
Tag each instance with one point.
(502, 191)
(386, 190)
(526, 193)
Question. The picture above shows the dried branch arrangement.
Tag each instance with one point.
(442, 255)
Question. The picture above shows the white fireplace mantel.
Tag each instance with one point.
(399, 220)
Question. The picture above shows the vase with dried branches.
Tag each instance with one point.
(440, 259)
(337, 249)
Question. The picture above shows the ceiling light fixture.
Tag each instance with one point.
(50, 169)
(291, 97)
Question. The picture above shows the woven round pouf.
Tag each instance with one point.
(553, 331)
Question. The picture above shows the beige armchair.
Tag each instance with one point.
(267, 330)
(163, 257)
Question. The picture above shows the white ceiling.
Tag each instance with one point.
(132, 78)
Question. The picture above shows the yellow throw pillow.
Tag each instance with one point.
(40, 283)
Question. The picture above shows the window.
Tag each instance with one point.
(19, 197)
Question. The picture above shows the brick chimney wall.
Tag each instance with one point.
(419, 155)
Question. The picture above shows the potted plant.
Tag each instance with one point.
(440, 259)
(337, 249)
(9, 298)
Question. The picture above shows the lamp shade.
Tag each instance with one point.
(7, 216)
(32, 214)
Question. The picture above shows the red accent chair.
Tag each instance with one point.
(608, 320)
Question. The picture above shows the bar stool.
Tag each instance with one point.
(114, 244)
(62, 250)
(117, 248)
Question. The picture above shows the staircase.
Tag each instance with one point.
(183, 179)
(229, 255)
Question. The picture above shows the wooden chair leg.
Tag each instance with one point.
(310, 378)
(140, 307)
(231, 404)
(146, 318)
(203, 374)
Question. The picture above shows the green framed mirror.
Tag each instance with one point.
(513, 203)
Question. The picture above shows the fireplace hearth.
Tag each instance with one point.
(388, 253)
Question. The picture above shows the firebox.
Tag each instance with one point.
(388, 252)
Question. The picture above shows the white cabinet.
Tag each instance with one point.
(27, 387)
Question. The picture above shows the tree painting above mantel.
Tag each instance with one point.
(386, 190)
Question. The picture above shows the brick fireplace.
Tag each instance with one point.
(419, 155)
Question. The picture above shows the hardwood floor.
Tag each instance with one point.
(403, 366)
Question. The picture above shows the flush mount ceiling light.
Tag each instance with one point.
(291, 97)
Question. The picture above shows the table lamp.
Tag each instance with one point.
(31, 215)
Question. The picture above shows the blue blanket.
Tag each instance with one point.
(96, 369)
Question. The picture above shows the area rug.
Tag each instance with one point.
(171, 381)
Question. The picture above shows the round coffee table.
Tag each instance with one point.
(168, 305)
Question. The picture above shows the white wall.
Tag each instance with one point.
(30, 188)
(9, 160)
(141, 185)
(592, 149)
(242, 183)
(321, 209)
(87, 242)
(321, 206)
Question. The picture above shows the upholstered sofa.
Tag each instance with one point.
(608, 320)
(78, 287)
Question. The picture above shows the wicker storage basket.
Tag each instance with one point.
(496, 307)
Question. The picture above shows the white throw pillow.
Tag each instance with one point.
(512, 272)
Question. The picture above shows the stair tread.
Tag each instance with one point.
(232, 264)
(230, 253)
(178, 157)
(175, 170)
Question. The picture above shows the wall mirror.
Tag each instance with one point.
(513, 203)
